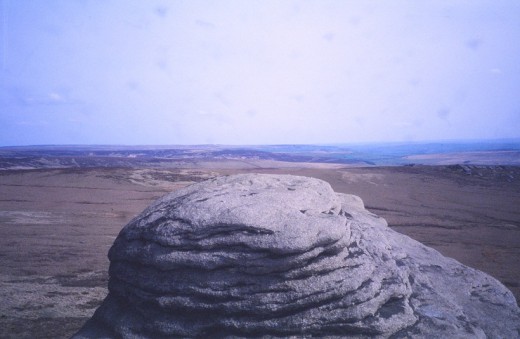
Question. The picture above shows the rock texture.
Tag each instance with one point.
(279, 256)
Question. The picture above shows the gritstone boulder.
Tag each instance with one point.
(279, 256)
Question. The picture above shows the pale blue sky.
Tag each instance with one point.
(258, 72)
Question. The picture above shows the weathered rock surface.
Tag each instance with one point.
(278, 256)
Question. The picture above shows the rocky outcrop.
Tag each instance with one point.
(278, 256)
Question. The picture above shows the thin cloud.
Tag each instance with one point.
(329, 36)
(56, 97)
(161, 11)
(474, 44)
(205, 24)
(443, 113)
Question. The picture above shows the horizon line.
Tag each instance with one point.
(430, 141)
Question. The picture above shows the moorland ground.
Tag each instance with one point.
(56, 226)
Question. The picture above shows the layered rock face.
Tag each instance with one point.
(279, 256)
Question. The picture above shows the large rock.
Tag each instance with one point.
(267, 255)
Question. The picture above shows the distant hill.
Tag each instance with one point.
(502, 152)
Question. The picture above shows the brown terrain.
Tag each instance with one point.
(56, 225)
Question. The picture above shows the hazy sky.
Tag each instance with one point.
(258, 72)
